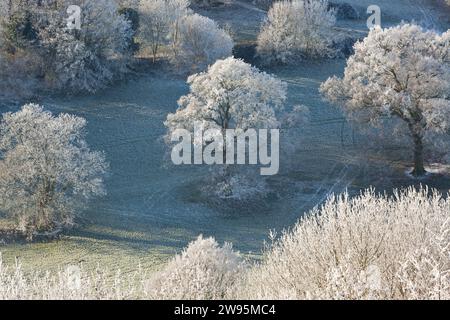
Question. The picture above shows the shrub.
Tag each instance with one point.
(368, 247)
(18, 31)
(19, 74)
(202, 271)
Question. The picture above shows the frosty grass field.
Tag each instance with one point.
(153, 210)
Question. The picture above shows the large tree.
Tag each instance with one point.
(231, 94)
(47, 171)
(401, 72)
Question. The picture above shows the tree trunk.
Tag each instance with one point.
(419, 169)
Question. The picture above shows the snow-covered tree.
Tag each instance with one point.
(178, 9)
(47, 171)
(295, 29)
(200, 42)
(160, 20)
(401, 72)
(231, 94)
(203, 271)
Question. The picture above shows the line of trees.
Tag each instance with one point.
(49, 56)
(38, 52)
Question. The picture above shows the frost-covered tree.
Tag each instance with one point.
(200, 42)
(155, 24)
(401, 72)
(47, 171)
(231, 94)
(367, 247)
(160, 20)
(203, 271)
(178, 9)
(296, 29)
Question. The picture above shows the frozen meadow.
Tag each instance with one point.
(153, 209)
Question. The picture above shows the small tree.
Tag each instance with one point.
(155, 24)
(47, 170)
(160, 22)
(200, 42)
(295, 29)
(401, 72)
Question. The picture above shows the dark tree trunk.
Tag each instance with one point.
(419, 168)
